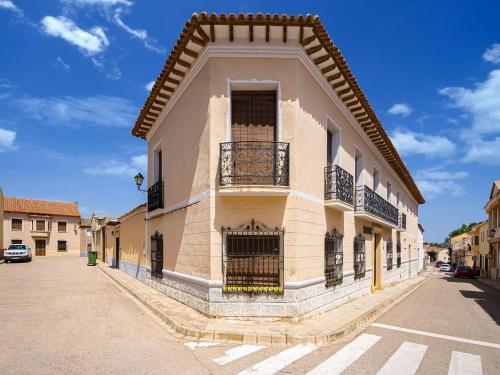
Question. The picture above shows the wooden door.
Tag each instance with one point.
(375, 259)
(253, 129)
(40, 247)
(117, 246)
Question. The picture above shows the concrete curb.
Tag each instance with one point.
(260, 338)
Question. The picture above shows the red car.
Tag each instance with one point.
(464, 271)
(438, 263)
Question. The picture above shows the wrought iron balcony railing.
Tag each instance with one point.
(370, 202)
(402, 221)
(155, 196)
(339, 184)
(254, 163)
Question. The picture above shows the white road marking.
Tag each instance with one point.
(465, 364)
(437, 335)
(405, 360)
(279, 361)
(193, 345)
(346, 356)
(238, 352)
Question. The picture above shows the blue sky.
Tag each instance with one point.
(73, 76)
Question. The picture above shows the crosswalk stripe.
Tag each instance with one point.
(346, 356)
(405, 360)
(193, 345)
(238, 352)
(465, 363)
(279, 361)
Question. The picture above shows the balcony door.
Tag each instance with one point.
(253, 136)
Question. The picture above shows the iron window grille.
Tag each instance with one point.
(402, 221)
(155, 196)
(389, 255)
(339, 184)
(61, 246)
(334, 257)
(359, 257)
(252, 258)
(398, 253)
(157, 255)
(254, 163)
(370, 202)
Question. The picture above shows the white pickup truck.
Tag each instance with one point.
(17, 252)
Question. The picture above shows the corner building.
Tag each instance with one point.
(273, 189)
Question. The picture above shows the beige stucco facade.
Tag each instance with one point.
(2, 245)
(492, 209)
(196, 207)
(483, 248)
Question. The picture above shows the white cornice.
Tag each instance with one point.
(273, 51)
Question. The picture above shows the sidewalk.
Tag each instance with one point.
(324, 328)
(491, 283)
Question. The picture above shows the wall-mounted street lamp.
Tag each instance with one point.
(139, 178)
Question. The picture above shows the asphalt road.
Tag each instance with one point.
(60, 316)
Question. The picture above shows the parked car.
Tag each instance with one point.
(445, 267)
(17, 252)
(439, 263)
(464, 271)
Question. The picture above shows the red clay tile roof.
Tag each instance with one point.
(34, 206)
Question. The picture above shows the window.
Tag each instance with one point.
(376, 180)
(61, 226)
(359, 168)
(334, 258)
(40, 225)
(17, 224)
(389, 255)
(359, 257)
(332, 144)
(61, 246)
(389, 191)
(476, 239)
(88, 232)
(16, 242)
(157, 166)
(157, 255)
(252, 259)
(397, 199)
(398, 254)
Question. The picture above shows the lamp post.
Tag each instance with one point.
(139, 178)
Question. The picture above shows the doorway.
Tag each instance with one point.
(40, 247)
(377, 262)
(117, 247)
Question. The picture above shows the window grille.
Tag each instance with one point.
(252, 258)
(157, 255)
(398, 253)
(389, 255)
(359, 257)
(334, 257)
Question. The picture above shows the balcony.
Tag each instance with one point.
(401, 222)
(254, 168)
(372, 207)
(339, 188)
(155, 196)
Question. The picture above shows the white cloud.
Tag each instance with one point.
(492, 54)
(401, 109)
(438, 181)
(89, 42)
(7, 139)
(484, 152)
(99, 2)
(411, 143)
(60, 63)
(90, 111)
(9, 5)
(117, 168)
(149, 85)
(482, 103)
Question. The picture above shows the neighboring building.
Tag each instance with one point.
(483, 248)
(2, 245)
(47, 227)
(104, 236)
(437, 254)
(461, 247)
(492, 209)
(421, 251)
(475, 234)
(273, 188)
(85, 236)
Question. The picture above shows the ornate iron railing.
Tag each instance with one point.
(157, 255)
(334, 257)
(155, 196)
(252, 259)
(359, 257)
(254, 163)
(389, 255)
(402, 221)
(339, 184)
(398, 253)
(369, 201)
